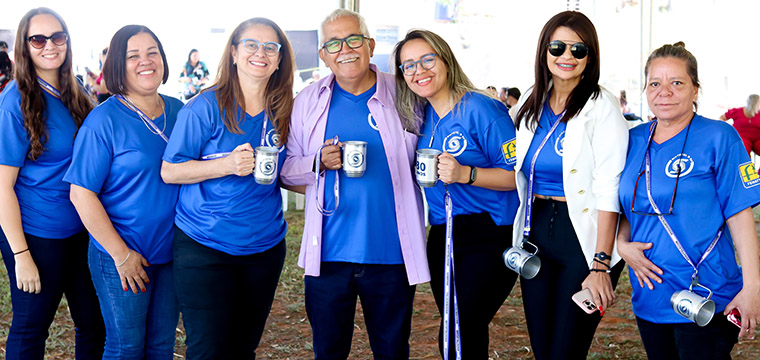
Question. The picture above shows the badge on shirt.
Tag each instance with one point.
(749, 175)
(509, 150)
(455, 143)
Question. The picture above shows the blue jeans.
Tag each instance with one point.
(138, 326)
(62, 264)
(387, 300)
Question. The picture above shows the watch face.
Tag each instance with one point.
(473, 174)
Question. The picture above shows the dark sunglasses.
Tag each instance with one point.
(557, 48)
(39, 41)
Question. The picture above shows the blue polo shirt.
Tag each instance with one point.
(478, 132)
(232, 214)
(43, 196)
(717, 181)
(119, 158)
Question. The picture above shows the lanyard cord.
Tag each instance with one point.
(148, 122)
(449, 285)
(531, 173)
(45, 85)
(336, 184)
(661, 217)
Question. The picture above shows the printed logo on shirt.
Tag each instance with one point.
(559, 145)
(509, 150)
(680, 161)
(455, 143)
(272, 137)
(749, 175)
(372, 122)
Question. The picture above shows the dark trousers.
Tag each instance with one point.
(688, 340)
(62, 265)
(482, 280)
(224, 299)
(558, 328)
(387, 300)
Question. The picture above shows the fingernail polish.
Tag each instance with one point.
(143, 290)
(125, 289)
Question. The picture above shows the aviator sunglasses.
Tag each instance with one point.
(39, 41)
(557, 48)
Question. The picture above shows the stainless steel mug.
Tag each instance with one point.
(426, 167)
(695, 307)
(523, 262)
(354, 158)
(265, 172)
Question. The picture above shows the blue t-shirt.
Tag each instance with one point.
(232, 214)
(547, 175)
(717, 181)
(363, 229)
(119, 158)
(480, 133)
(43, 196)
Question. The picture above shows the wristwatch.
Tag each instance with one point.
(473, 175)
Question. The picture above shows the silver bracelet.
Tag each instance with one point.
(125, 259)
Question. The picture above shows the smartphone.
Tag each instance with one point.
(585, 301)
(735, 318)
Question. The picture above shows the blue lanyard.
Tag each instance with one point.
(665, 224)
(261, 143)
(449, 286)
(336, 184)
(45, 85)
(145, 119)
(529, 196)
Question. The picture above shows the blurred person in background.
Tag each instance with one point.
(743, 117)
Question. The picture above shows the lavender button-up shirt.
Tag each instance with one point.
(307, 133)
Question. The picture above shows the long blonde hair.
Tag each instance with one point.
(753, 106)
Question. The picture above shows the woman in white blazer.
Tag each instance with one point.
(576, 128)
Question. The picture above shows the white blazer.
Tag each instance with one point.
(594, 151)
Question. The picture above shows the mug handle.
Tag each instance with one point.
(710, 293)
(525, 241)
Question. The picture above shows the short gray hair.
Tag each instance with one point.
(339, 13)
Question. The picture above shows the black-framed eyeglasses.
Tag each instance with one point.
(252, 45)
(39, 41)
(672, 199)
(557, 48)
(353, 41)
(427, 62)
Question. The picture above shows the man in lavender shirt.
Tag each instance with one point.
(373, 245)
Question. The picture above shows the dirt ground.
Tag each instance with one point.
(288, 334)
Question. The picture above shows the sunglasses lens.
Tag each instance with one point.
(556, 48)
(59, 38)
(579, 50)
(37, 41)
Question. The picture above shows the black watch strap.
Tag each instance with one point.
(602, 256)
(473, 175)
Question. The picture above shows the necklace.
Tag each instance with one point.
(148, 122)
(448, 108)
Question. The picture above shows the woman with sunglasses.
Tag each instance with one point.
(571, 142)
(229, 239)
(43, 242)
(695, 173)
(116, 166)
(476, 137)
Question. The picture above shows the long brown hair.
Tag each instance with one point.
(279, 90)
(587, 88)
(32, 99)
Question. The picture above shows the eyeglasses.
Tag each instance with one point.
(427, 62)
(672, 199)
(39, 41)
(252, 46)
(354, 41)
(557, 48)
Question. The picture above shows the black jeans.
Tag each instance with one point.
(224, 299)
(558, 328)
(482, 280)
(688, 340)
(62, 265)
(387, 301)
